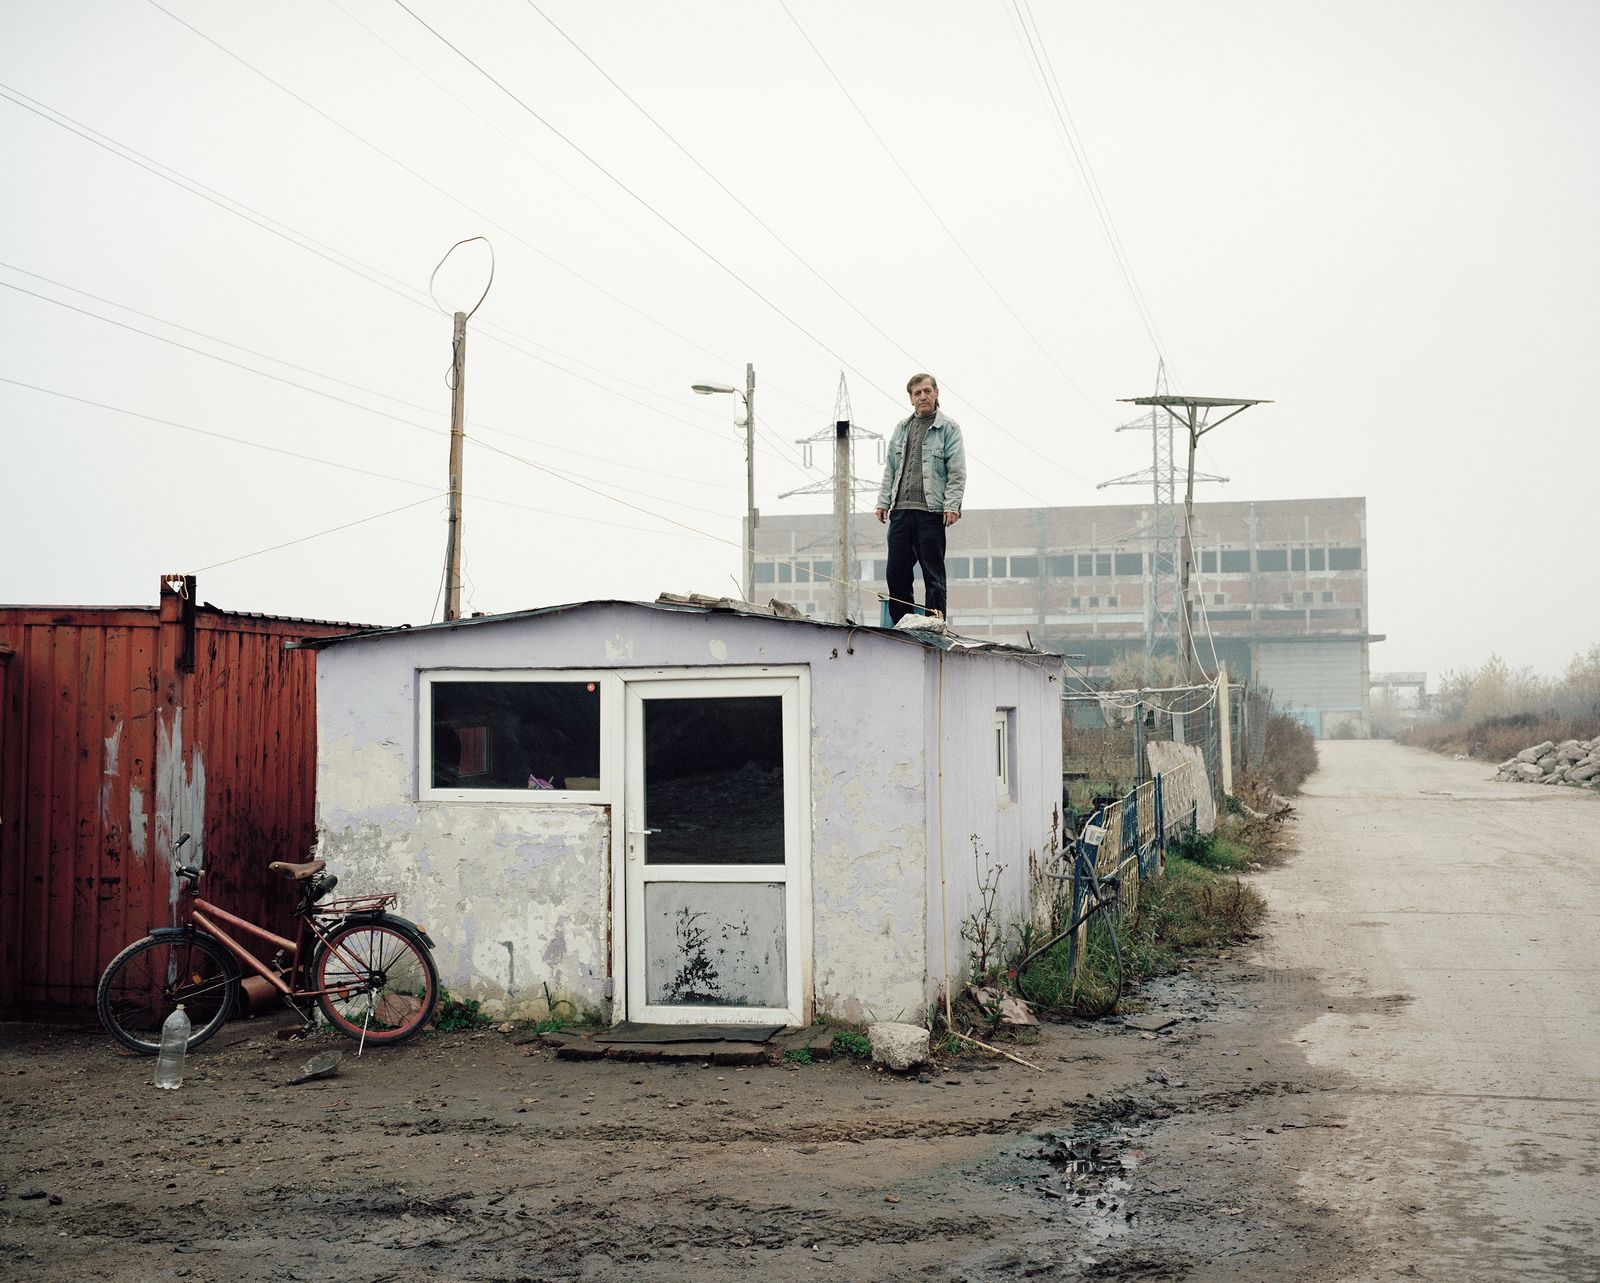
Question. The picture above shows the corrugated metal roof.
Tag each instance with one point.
(719, 606)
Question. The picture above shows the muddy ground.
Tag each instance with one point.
(1397, 1081)
(468, 1156)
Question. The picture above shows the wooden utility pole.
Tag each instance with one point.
(458, 416)
(751, 516)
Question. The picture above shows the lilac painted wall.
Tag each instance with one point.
(519, 896)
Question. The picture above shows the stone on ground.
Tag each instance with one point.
(898, 1047)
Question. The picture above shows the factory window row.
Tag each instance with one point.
(1077, 565)
(1236, 561)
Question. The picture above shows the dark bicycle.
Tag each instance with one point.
(369, 970)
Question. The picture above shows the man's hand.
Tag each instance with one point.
(882, 515)
(950, 518)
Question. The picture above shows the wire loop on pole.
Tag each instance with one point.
(435, 273)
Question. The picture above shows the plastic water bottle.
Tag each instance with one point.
(174, 1044)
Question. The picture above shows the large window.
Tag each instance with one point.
(1344, 559)
(1236, 561)
(1129, 563)
(1270, 559)
(1024, 567)
(535, 738)
(1061, 566)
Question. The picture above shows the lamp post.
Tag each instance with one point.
(749, 426)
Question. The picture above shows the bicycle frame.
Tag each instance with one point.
(204, 914)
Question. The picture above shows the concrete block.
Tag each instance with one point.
(897, 1046)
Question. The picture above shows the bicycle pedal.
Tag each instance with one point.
(291, 1032)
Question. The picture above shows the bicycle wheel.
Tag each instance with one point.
(148, 979)
(376, 981)
(1097, 988)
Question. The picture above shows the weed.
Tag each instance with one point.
(798, 1056)
(1214, 851)
(456, 1014)
(1289, 754)
(982, 930)
(1192, 910)
(851, 1044)
(1051, 985)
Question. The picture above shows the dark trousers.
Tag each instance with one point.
(915, 539)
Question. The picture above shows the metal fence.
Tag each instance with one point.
(1104, 735)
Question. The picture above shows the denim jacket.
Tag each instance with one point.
(944, 465)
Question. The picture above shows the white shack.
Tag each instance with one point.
(679, 813)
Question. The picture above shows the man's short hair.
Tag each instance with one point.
(921, 378)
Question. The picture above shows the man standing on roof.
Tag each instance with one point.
(923, 481)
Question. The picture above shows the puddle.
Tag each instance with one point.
(1083, 1175)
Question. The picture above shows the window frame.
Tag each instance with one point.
(608, 686)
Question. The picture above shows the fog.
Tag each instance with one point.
(221, 222)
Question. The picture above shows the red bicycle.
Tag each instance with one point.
(369, 970)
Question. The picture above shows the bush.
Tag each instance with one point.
(1496, 738)
(1289, 755)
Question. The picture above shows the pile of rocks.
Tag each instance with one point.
(1574, 762)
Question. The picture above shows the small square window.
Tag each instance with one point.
(1077, 603)
(1306, 596)
(1217, 599)
(1111, 603)
(1288, 599)
(1094, 603)
(511, 736)
(1327, 596)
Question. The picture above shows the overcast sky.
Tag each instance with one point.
(220, 221)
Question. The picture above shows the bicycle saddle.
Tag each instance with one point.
(299, 872)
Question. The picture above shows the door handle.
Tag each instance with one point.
(643, 832)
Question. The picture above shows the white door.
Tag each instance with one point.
(716, 847)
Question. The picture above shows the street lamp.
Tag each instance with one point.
(749, 426)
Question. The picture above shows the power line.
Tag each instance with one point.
(433, 186)
(1062, 118)
(563, 180)
(318, 374)
(331, 530)
(365, 271)
(938, 218)
(760, 222)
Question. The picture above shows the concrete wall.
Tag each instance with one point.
(518, 896)
(984, 829)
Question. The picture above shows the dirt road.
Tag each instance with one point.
(1452, 921)
(1398, 1081)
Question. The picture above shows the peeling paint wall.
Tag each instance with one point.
(1006, 828)
(503, 884)
(552, 903)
